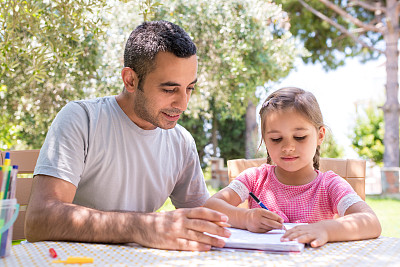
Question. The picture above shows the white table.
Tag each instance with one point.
(384, 251)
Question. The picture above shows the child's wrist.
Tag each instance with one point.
(247, 219)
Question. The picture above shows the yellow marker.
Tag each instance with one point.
(75, 260)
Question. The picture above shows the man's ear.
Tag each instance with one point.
(130, 79)
(321, 135)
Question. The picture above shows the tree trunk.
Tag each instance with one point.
(214, 134)
(251, 131)
(391, 106)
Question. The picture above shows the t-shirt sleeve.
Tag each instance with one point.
(338, 188)
(239, 189)
(245, 182)
(346, 202)
(190, 190)
(249, 177)
(63, 152)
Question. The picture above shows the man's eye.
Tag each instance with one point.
(168, 91)
(276, 140)
(299, 138)
(191, 88)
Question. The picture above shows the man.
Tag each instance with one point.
(107, 164)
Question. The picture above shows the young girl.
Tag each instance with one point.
(293, 189)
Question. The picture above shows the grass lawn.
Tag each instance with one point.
(388, 212)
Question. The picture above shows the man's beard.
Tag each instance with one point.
(142, 109)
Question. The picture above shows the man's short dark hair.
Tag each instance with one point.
(152, 37)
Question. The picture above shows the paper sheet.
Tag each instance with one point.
(270, 241)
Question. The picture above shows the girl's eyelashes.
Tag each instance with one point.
(297, 138)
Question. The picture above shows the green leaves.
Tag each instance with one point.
(329, 148)
(241, 45)
(328, 45)
(367, 139)
(148, 8)
(43, 63)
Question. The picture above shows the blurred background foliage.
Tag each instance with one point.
(329, 148)
(329, 45)
(57, 51)
(49, 55)
(241, 45)
(367, 138)
(334, 31)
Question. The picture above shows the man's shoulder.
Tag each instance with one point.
(91, 107)
(94, 102)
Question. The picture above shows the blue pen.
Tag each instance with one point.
(258, 201)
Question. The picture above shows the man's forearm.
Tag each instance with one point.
(70, 222)
(181, 229)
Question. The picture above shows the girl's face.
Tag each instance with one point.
(291, 140)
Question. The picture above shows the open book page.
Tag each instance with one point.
(270, 241)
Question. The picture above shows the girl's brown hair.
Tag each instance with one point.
(299, 100)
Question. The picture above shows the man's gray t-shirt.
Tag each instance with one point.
(116, 165)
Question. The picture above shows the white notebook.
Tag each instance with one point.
(270, 241)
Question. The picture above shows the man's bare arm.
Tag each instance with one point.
(52, 216)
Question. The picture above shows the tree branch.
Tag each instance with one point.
(377, 7)
(339, 27)
(354, 20)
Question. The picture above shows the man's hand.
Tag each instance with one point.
(316, 234)
(262, 220)
(183, 229)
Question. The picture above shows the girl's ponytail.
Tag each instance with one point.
(316, 158)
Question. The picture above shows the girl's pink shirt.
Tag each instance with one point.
(307, 203)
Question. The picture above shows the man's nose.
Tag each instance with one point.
(181, 100)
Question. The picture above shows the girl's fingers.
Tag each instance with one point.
(273, 216)
(303, 234)
(290, 235)
(272, 220)
(318, 242)
(294, 232)
(305, 238)
(269, 225)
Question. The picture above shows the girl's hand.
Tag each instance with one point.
(316, 234)
(262, 220)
